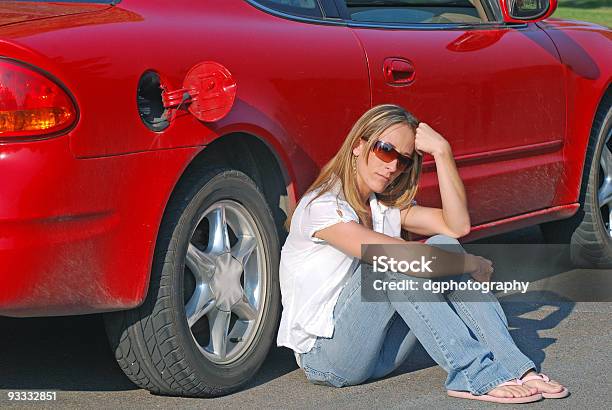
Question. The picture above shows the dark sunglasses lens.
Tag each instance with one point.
(387, 153)
(405, 163)
(384, 151)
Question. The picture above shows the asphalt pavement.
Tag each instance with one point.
(71, 357)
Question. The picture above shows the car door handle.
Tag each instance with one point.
(398, 71)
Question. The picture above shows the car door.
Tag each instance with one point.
(307, 71)
(493, 90)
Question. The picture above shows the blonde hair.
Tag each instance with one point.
(369, 126)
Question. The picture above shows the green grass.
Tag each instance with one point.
(594, 11)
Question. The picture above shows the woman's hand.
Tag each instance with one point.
(479, 268)
(429, 141)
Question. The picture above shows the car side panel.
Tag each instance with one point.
(586, 52)
(497, 95)
(77, 235)
(310, 78)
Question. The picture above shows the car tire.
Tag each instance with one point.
(589, 232)
(213, 303)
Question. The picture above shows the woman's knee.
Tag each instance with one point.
(451, 243)
(440, 238)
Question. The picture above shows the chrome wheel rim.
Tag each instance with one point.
(604, 193)
(225, 282)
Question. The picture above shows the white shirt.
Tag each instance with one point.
(312, 273)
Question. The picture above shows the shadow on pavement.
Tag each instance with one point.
(58, 353)
(526, 332)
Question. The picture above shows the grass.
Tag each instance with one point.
(594, 11)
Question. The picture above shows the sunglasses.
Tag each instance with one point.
(386, 152)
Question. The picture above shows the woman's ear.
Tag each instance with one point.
(357, 149)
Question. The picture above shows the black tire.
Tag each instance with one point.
(153, 344)
(586, 231)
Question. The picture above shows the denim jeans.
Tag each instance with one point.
(465, 332)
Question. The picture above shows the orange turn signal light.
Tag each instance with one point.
(31, 104)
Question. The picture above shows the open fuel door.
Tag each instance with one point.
(208, 92)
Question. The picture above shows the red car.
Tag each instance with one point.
(149, 151)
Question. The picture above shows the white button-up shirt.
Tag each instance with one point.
(312, 273)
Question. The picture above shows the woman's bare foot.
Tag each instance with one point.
(508, 392)
(550, 386)
(512, 391)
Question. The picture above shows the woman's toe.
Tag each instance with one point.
(502, 392)
(510, 392)
(528, 392)
(556, 383)
(516, 392)
(519, 391)
(554, 387)
(546, 387)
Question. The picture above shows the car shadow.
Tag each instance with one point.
(527, 329)
(58, 353)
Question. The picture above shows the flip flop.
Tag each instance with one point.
(541, 376)
(488, 397)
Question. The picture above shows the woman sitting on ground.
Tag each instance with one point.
(365, 195)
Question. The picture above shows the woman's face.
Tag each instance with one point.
(376, 175)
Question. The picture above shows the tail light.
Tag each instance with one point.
(32, 106)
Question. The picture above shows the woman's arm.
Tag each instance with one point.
(453, 219)
(349, 236)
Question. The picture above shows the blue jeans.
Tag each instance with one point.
(466, 337)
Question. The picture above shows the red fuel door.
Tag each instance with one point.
(208, 92)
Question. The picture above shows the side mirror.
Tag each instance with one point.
(524, 11)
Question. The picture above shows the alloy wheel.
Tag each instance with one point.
(225, 281)
(604, 193)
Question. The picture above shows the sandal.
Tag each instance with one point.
(488, 397)
(541, 376)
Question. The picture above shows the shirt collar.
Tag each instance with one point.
(375, 204)
(337, 189)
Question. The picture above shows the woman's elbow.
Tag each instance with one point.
(460, 232)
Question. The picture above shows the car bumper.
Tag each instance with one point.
(77, 235)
